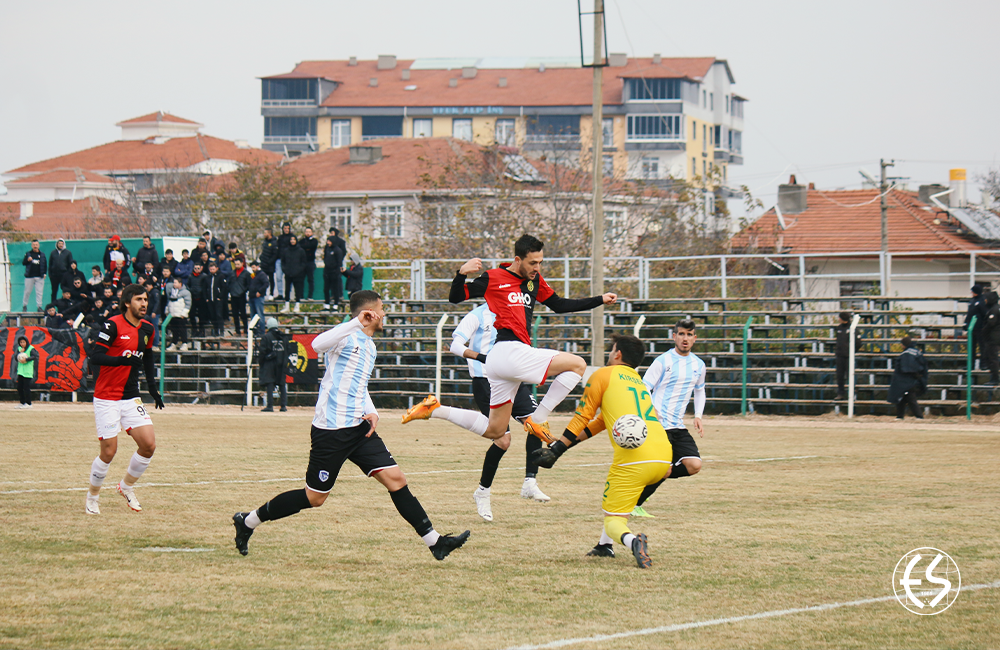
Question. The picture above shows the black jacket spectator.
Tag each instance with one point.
(991, 319)
(198, 285)
(273, 357)
(284, 241)
(334, 254)
(144, 255)
(59, 261)
(257, 285)
(35, 265)
(843, 331)
(355, 275)
(71, 274)
(268, 254)
(294, 261)
(909, 375)
(169, 264)
(239, 283)
(216, 287)
(309, 245)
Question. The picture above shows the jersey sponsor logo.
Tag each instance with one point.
(124, 336)
(518, 298)
(504, 286)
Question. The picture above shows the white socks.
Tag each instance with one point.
(563, 383)
(98, 472)
(138, 465)
(627, 539)
(605, 538)
(474, 421)
(432, 537)
(252, 520)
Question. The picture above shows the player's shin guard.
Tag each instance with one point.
(136, 466)
(492, 463)
(649, 489)
(98, 472)
(560, 388)
(531, 443)
(617, 529)
(411, 510)
(284, 505)
(474, 421)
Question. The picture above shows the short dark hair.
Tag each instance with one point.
(129, 292)
(907, 342)
(845, 315)
(361, 299)
(169, 251)
(527, 244)
(185, 251)
(95, 268)
(633, 350)
(684, 324)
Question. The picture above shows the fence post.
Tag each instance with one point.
(802, 276)
(723, 276)
(638, 325)
(163, 349)
(972, 268)
(968, 369)
(566, 276)
(250, 329)
(437, 373)
(746, 332)
(850, 368)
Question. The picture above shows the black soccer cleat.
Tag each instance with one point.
(447, 543)
(602, 550)
(544, 457)
(243, 532)
(640, 549)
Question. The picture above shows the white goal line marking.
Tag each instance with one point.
(339, 478)
(731, 619)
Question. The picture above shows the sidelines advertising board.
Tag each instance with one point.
(60, 357)
(303, 364)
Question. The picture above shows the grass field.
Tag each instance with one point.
(788, 513)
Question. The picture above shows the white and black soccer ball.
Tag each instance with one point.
(22, 357)
(629, 431)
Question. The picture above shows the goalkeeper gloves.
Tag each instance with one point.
(155, 394)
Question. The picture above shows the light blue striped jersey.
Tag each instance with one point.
(344, 389)
(477, 330)
(671, 380)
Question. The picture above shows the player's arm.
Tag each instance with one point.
(149, 367)
(369, 413)
(578, 428)
(463, 334)
(329, 339)
(561, 305)
(102, 342)
(462, 290)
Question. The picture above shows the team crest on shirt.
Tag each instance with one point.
(324, 475)
(531, 285)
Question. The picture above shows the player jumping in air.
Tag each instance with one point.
(673, 378)
(617, 390)
(511, 293)
(344, 429)
(117, 349)
(473, 339)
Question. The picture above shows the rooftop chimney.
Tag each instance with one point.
(406, 75)
(373, 82)
(617, 59)
(360, 154)
(386, 61)
(352, 61)
(657, 58)
(453, 83)
(502, 82)
(792, 198)
(27, 209)
(469, 72)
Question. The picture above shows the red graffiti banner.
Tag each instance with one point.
(303, 365)
(60, 356)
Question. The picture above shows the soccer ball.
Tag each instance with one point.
(22, 357)
(629, 431)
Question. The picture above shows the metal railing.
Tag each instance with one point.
(271, 103)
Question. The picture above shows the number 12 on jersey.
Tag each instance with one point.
(642, 397)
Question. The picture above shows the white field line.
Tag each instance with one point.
(341, 478)
(731, 619)
(175, 549)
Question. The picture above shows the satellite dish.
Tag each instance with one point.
(868, 177)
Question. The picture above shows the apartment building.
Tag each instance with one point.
(663, 117)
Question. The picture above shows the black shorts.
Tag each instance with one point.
(331, 447)
(524, 402)
(683, 444)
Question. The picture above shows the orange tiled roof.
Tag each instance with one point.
(525, 86)
(64, 175)
(138, 155)
(67, 219)
(844, 221)
(159, 116)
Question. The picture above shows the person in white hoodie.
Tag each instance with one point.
(178, 306)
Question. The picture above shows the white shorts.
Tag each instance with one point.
(114, 415)
(511, 363)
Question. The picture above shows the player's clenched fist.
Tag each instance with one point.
(610, 298)
(472, 266)
(367, 317)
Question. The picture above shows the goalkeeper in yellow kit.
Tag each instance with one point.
(617, 389)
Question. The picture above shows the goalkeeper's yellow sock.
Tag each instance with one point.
(617, 528)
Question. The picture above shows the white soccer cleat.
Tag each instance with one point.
(530, 491)
(130, 498)
(483, 504)
(92, 507)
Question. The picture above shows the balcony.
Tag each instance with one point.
(285, 103)
(289, 139)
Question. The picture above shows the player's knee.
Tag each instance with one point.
(578, 365)
(503, 442)
(693, 465)
(316, 499)
(392, 478)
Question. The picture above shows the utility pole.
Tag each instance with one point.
(884, 190)
(597, 150)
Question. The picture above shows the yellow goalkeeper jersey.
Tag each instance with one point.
(617, 391)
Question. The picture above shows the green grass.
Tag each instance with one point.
(740, 538)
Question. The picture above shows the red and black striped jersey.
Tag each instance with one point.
(512, 298)
(121, 339)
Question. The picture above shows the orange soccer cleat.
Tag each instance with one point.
(421, 411)
(540, 431)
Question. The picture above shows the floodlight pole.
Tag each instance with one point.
(597, 151)
(883, 189)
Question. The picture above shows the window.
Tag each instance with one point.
(694, 167)
(704, 137)
(694, 130)
(439, 220)
(340, 218)
(388, 126)
(650, 168)
(718, 136)
(609, 165)
(553, 127)
(704, 99)
(461, 128)
(711, 101)
(646, 89)
(340, 133)
(423, 128)
(655, 127)
(735, 141)
(704, 169)
(727, 103)
(504, 133)
(289, 127)
(615, 226)
(390, 219)
(737, 106)
(295, 89)
(608, 129)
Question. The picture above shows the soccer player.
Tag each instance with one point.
(511, 292)
(617, 390)
(344, 429)
(472, 340)
(673, 378)
(118, 348)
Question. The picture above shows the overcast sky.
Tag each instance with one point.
(833, 86)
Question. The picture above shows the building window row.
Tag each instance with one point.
(290, 127)
(341, 218)
(553, 127)
(390, 221)
(655, 127)
(295, 89)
